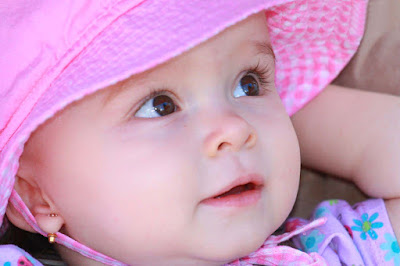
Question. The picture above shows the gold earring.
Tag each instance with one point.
(51, 237)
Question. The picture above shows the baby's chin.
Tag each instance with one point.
(236, 249)
(248, 240)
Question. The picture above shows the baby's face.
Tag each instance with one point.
(139, 170)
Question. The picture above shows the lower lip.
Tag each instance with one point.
(243, 199)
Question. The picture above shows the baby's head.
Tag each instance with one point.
(138, 171)
(189, 156)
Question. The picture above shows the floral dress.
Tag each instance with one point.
(353, 235)
(11, 255)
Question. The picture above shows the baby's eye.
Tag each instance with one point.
(157, 106)
(248, 86)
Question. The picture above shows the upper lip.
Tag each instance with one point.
(255, 179)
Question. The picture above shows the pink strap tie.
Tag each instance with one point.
(268, 254)
(272, 254)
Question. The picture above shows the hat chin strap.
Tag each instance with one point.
(61, 238)
(269, 253)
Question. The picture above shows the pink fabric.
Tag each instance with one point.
(313, 40)
(271, 254)
(55, 52)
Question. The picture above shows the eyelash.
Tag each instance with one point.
(262, 73)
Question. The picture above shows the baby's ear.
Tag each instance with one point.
(41, 207)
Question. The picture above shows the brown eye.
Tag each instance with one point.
(163, 105)
(248, 86)
(160, 105)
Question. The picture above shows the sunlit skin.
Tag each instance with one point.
(134, 187)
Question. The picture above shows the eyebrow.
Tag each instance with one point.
(118, 88)
(115, 90)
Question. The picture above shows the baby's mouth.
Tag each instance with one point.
(238, 189)
(243, 191)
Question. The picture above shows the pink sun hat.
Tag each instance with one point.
(55, 52)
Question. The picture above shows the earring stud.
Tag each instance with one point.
(51, 237)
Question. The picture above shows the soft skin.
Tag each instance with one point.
(132, 187)
(357, 139)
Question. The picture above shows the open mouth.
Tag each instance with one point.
(242, 192)
(238, 189)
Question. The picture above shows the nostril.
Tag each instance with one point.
(251, 140)
(223, 146)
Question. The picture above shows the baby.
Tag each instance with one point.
(187, 156)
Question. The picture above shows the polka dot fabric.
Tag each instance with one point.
(55, 62)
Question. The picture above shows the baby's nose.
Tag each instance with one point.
(230, 133)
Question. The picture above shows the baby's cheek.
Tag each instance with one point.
(284, 176)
